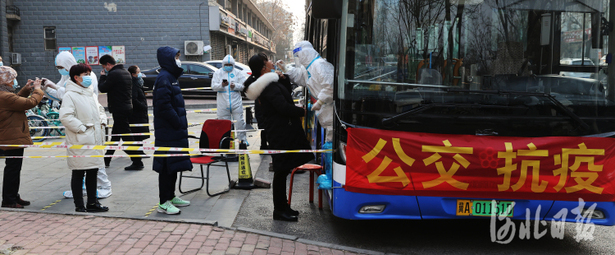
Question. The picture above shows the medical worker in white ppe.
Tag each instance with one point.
(64, 61)
(228, 82)
(315, 72)
(55, 91)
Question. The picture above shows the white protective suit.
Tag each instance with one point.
(230, 105)
(317, 74)
(67, 60)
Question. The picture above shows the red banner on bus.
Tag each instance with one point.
(421, 164)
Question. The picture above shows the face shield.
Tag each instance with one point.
(296, 56)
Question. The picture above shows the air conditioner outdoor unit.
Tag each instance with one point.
(15, 59)
(193, 48)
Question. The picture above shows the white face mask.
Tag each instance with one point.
(297, 62)
(178, 63)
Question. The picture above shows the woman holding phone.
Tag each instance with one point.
(12, 122)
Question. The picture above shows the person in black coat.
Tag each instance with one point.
(170, 128)
(117, 83)
(281, 120)
(139, 112)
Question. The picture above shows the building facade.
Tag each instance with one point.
(240, 27)
(32, 32)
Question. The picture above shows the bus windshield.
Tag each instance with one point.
(485, 67)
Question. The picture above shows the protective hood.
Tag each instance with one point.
(166, 60)
(305, 52)
(65, 59)
(228, 60)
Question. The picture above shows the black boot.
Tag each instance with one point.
(107, 162)
(22, 202)
(292, 212)
(134, 166)
(285, 216)
(96, 207)
(137, 164)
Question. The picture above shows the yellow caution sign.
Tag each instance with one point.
(245, 172)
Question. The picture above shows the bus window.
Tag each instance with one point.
(402, 55)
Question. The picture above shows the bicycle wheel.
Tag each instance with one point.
(54, 119)
(35, 121)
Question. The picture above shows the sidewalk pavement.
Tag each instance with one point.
(45, 233)
(135, 193)
(50, 225)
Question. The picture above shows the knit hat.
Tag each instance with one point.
(7, 75)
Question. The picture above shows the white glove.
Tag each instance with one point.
(316, 106)
(280, 64)
(48, 83)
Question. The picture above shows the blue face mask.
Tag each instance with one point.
(63, 72)
(140, 75)
(1, 64)
(87, 81)
(228, 68)
(15, 84)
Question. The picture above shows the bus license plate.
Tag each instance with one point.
(483, 208)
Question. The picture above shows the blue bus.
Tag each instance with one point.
(455, 109)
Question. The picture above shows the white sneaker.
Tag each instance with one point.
(69, 194)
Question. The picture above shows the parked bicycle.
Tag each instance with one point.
(42, 117)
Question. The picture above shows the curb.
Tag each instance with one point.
(200, 222)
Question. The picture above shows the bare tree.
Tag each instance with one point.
(283, 23)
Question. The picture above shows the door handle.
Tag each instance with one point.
(194, 78)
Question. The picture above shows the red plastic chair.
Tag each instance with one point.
(315, 170)
(215, 134)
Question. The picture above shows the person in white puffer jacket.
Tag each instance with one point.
(83, 117)
(55, 91)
